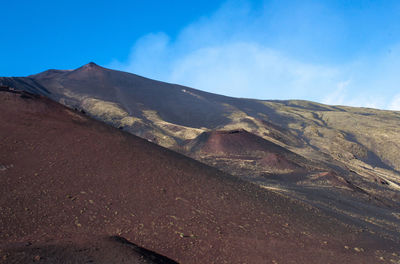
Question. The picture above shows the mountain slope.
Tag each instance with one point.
(352, 159)
(69, 182)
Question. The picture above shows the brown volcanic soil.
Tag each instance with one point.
(69, 185)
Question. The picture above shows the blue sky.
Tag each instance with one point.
(329, 51)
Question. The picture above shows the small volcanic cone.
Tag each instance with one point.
(240, 144)
(232, 142)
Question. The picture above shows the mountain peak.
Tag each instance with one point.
(91, 65)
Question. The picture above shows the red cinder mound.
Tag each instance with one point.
(240, 144)
(235, 142)
(74, 190)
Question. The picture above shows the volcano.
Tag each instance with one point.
(283, 177)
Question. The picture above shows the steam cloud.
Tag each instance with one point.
(270, 52)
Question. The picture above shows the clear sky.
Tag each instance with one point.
(329, 51)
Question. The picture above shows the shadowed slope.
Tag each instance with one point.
(95, 81)
(70, 180)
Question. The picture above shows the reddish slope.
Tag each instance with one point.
(236, 145)
(68, 181)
